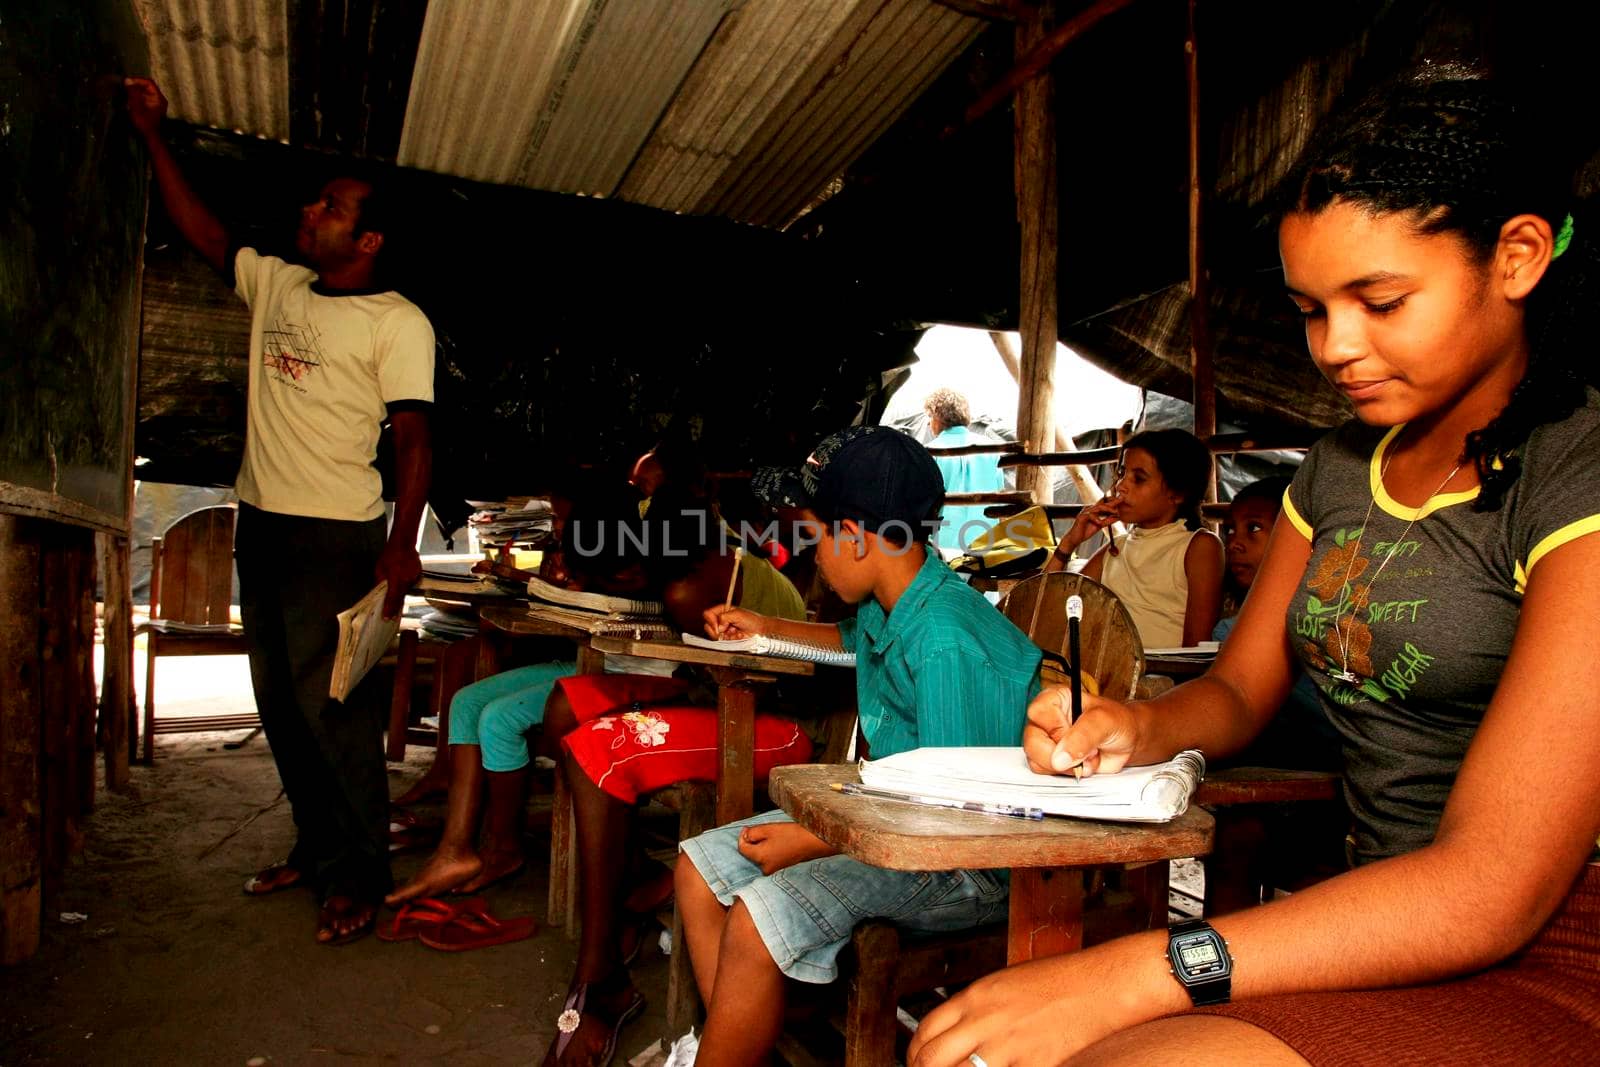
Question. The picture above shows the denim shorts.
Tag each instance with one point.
(805, 913)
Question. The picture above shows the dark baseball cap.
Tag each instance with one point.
(874, 475)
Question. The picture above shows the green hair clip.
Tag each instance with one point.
(1563, 237)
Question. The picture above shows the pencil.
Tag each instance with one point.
(733, 579)
(1074, 620)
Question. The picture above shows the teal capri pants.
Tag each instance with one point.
(496, 713)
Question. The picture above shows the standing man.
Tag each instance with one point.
(331, 358)
(948, 415)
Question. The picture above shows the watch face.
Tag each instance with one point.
(1198, 956)
(1197, 953)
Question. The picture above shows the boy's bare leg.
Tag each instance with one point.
(745, 1013)
(503, 822)
(455, 861)
(602, 824)
(703, 920)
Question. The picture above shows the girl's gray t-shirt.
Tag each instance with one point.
(1421, 607)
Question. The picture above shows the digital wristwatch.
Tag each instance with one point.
(1200, 962)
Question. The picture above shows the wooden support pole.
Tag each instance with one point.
(1201, 350)
(1033, 57)
(117, 706)
(1037, 193)
(20, 822)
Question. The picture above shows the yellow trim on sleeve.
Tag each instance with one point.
(1570, 532)
(1295, 520)
(1519, 578)
(1393, 506)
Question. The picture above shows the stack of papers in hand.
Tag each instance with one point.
(1156, 793)
(525, 522)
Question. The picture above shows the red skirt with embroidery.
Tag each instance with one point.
(634, 740)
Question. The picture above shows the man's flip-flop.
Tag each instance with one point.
(478, 929)
(426, 913)
(326, 914)
(273, 879)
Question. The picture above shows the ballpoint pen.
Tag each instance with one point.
(1012, 811)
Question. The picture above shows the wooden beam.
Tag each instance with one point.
(20, 825)
(1037, 190)
(116, 689)
(1090, 457)
(1037, 53)
(1202, 365)
(998, 497)
(1000, 448)
(1000, 10)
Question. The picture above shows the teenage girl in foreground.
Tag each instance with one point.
(1436, 573)
(1167, 569)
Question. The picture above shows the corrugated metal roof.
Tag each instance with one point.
(747, 111)
(222, 63)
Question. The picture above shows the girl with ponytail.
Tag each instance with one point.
(1434, 571)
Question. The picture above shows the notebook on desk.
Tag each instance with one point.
(615, 624)
(539, 589)
(780, 647)
(1156, 793)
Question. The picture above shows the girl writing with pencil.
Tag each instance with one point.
(1435, 574)
(1167, 569)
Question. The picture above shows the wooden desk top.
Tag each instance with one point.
(1177, 666)
(679, 652)
(1266, 785)
(514, 618)
(909, 837)
(472, 593)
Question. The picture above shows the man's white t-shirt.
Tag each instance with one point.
(322, 370)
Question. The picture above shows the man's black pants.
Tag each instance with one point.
(295, 575)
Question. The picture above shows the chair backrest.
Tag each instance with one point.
(1113, 655)
(191, 567)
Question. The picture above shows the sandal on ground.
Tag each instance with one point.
(477, 929)
(425, 913)
(273, 879)
(575, 1010)
(329, 912)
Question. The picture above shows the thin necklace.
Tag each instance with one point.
(1344, 673)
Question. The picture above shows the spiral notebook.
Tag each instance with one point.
(1159, 792)
(780, 647)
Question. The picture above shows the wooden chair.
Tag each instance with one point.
(887, 964)
(191, 593)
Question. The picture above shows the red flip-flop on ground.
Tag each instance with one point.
(478, 929)
(428, 913)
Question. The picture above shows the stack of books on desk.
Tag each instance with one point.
(600, 615)
(1159, 792)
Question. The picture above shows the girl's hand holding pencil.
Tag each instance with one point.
(1100, 742)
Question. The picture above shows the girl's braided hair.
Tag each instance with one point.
(1446, 146)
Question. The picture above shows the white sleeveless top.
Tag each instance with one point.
(1148, 577)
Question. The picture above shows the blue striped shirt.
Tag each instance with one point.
(944, 669)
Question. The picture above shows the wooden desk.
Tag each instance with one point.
(737, 676)
(1182, 667)
(497, 621)
(1045, 857)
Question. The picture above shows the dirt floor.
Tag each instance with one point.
(173, 964)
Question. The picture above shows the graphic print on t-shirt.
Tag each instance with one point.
(1336, 626)
(291, 352)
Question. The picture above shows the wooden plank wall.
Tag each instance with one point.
(47, 713)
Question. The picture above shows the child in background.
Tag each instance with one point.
(1167, 569)
(764, 899)
(1299, 737)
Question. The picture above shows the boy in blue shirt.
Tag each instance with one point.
(936, 665)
